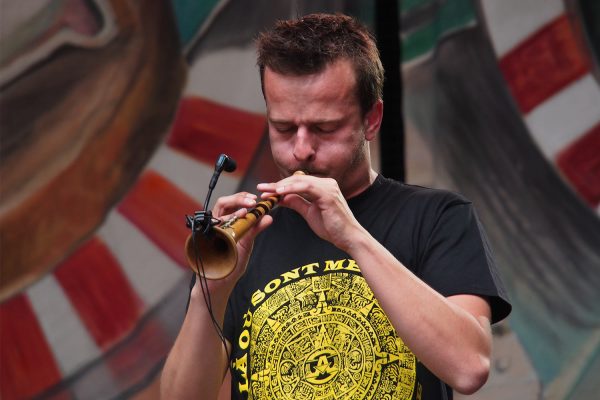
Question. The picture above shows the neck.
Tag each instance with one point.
(363, 182)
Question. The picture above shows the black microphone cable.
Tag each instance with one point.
(201, 223)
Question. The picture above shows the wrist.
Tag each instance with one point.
(217, 293)
(356, 240)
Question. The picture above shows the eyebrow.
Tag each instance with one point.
(316, 122)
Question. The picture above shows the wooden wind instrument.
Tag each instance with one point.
(215, 255)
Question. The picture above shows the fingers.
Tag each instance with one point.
(246, 243)
(296, 202)
(247, 240)
(228, 205)
(308, 187)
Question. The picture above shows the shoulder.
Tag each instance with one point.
(418, 197)
(414, 210)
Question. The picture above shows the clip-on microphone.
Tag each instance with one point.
(202, 221)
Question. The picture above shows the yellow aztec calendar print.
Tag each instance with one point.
(322, 337)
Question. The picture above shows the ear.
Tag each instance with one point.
(372, 120)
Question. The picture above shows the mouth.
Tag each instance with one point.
(309, 171)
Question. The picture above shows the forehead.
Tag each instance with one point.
(333, 87)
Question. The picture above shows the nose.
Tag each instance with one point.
(304, 146)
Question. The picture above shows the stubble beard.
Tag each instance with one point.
(358, 155)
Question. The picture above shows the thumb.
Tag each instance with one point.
(247, 240)
(296, 203)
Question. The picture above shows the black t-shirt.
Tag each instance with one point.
(304, 323)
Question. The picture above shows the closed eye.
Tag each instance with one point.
(284, 128)
(325, 127)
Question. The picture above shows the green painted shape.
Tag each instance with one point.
(190, 15)
(409, 5)
(448, 17)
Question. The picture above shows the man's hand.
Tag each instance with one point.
(321, 203)
(237, 205)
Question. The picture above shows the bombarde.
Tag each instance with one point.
(214, 254)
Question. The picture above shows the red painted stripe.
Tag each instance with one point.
(204, 129)
(544, 64)
(158, 209)
(580, 163)
(135, 361)
(100, 292)
(27, 365)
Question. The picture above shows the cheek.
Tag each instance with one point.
(281, 149)
(339, 147)
(345, 152)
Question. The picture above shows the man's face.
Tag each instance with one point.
(315, 125)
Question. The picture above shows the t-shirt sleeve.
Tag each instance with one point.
(457, 259)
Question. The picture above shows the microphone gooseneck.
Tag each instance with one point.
(203, 220)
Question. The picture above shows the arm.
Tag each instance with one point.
(198, 360)
(450, 336)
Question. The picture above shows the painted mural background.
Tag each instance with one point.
(113, 112)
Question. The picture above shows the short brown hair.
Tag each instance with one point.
(308, 44)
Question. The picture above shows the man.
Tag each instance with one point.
(358, 286)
